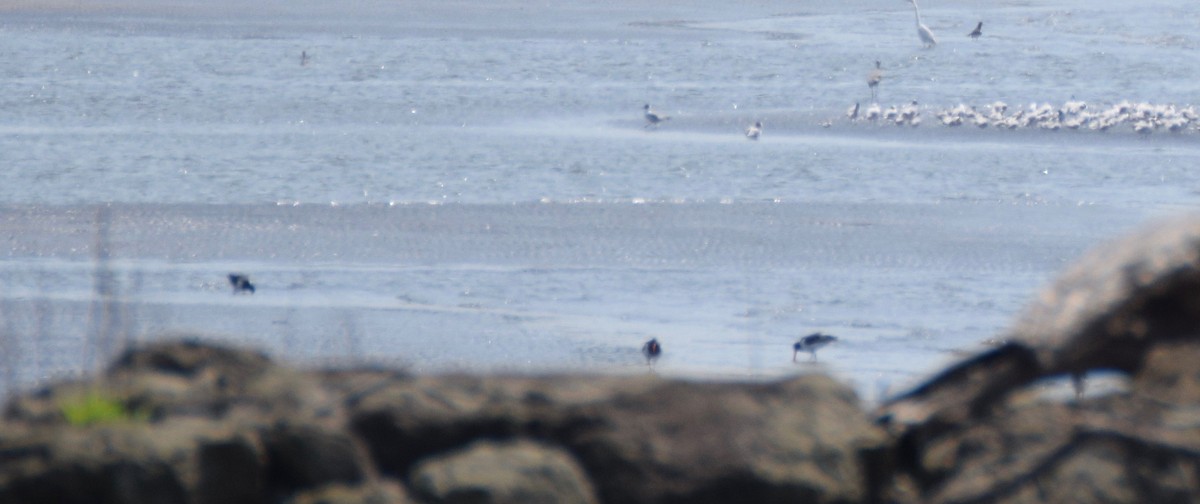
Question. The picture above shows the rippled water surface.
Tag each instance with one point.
(471, 185)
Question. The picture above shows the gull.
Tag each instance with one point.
(873, 112)
(652, 117)
(754, 131)
(908, 113)
(891, 114)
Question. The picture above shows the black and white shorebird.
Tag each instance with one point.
(811, 344)
(652, 117)
(977, 31)
(240, 283)
(754, 131)
(874, 78)
(652, 350)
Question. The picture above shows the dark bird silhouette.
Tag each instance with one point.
(811, 344)
(240, 283)
(977, 31)
(652, 350)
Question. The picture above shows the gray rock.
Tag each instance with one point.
(112, 464)
(1124, 447)
(367, 493)
(1104, 313)
(230, 470)
(404, 419)
(801, 440)
(308, 455)
(190, 357)
(644, 439)
(983, 432)
(517, 472)
(206, 424)
(231, 427)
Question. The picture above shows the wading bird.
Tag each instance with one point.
(240, 283)
(811, 344)
(874, 78)
(923, 31)
(652, 117)
(651, 350)
(977, 31)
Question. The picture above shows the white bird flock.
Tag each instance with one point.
(1143, 118)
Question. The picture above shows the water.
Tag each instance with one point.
(469, 186)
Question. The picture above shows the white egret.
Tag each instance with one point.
(923, 31)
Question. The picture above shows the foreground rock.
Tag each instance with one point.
(644, 439)
(1132, 447)
(982, 432)
(513, 472)
(209, 424)
(203, 424)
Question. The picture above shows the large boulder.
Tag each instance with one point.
(986, 430)
(800, 440)
(1103, 313)
(383, 492)
(644, 439)
(126, 463)
(185, 421)
(188, 422)
(403, 419)
(516, 472)
(1127, 447)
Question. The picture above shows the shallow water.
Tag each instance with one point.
(470, 186)
(540, 287)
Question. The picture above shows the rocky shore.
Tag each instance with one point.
(184, 421)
